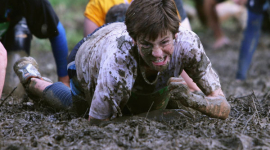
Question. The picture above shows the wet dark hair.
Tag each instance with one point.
(151, 18)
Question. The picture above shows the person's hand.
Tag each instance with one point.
(178, 80)
(180, 92)
(65, 80)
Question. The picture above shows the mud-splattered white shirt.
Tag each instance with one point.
(107, 68)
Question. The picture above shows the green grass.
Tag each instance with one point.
(71, 15)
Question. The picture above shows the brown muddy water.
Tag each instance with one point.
(28, 125)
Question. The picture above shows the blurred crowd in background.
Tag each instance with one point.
(22, 19)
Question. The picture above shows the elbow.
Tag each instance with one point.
(220, 111)
(224, 110)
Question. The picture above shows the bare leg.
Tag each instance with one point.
(37, 86)
(57, 95)
(214, 23)
(3, 65)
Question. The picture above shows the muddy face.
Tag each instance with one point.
(156, 54)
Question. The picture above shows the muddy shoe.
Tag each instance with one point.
(11, 79)
(27, 68)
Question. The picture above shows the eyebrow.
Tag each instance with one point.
(144, 41)
(166, 38)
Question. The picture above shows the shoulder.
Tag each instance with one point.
(188, 40)
(186, 35)
(188, 45)
(103, 5)
(94, 3)
(110, 33)
(107, 40)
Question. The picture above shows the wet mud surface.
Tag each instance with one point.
(25, 124)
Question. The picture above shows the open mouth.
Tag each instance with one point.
(160, 61)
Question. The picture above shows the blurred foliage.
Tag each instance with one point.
(189, 2)
(68, 2)
(71, 15)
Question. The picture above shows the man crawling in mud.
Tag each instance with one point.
(132, 67)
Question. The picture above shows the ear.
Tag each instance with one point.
(134, 42)
(175, 36)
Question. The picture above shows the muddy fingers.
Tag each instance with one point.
(216, 107)
(178, 86)
(176, 80)
(180, 92)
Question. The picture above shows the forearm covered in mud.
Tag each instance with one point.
(212, 106)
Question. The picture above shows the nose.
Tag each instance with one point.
(157, 52)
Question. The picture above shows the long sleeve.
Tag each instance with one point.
(60, 50)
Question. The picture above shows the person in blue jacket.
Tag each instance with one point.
(22, 19)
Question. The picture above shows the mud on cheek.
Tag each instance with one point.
(145, 51)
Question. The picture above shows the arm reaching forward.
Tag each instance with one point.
(214, 104)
